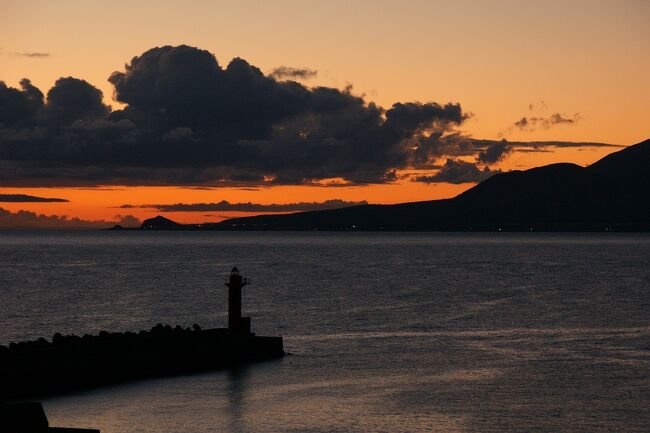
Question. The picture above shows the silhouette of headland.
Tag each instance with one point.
(609, 195)
(70, 363)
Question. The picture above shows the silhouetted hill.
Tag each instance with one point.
(611, 194)
(160, 223)
(632, 160)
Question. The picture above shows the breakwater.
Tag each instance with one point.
(70, 363)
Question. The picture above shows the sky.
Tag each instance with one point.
(326, 104)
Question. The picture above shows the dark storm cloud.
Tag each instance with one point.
(413, 116)
(248, 207)
(22, 198)
(186, 87)
(28, 124)
(19, 107)
(30, 220)
(457, 172)
(494, 152)
(73, 100)
(282, 72)
(187, 120)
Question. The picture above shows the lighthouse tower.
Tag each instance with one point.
(236, 322)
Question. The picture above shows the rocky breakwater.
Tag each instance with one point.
(70, 363)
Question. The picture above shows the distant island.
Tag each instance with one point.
(610, 195)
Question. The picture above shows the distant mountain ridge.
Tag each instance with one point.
(611, 194)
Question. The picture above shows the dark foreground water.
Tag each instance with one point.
(388, 332)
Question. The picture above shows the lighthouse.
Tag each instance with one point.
(236, 322)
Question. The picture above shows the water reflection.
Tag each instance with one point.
(236, 391)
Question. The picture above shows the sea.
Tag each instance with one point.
(385, 332)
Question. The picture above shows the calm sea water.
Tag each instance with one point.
(387, 332)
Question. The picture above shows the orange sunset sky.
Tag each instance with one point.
(571, 72)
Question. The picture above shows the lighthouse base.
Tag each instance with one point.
(241, 325)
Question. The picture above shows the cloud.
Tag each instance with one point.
(519, 145)
(248, 207)
(494, 152)
(427, 150)
(22, 198)
(127, 221)
(30, 220)
(537, 119)
(486, 152)
(73, 100)
(538, 106)
(457, 172)
(33, 55)
(188, 120)
(530, 124)
(18, 108)
(282, 72)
